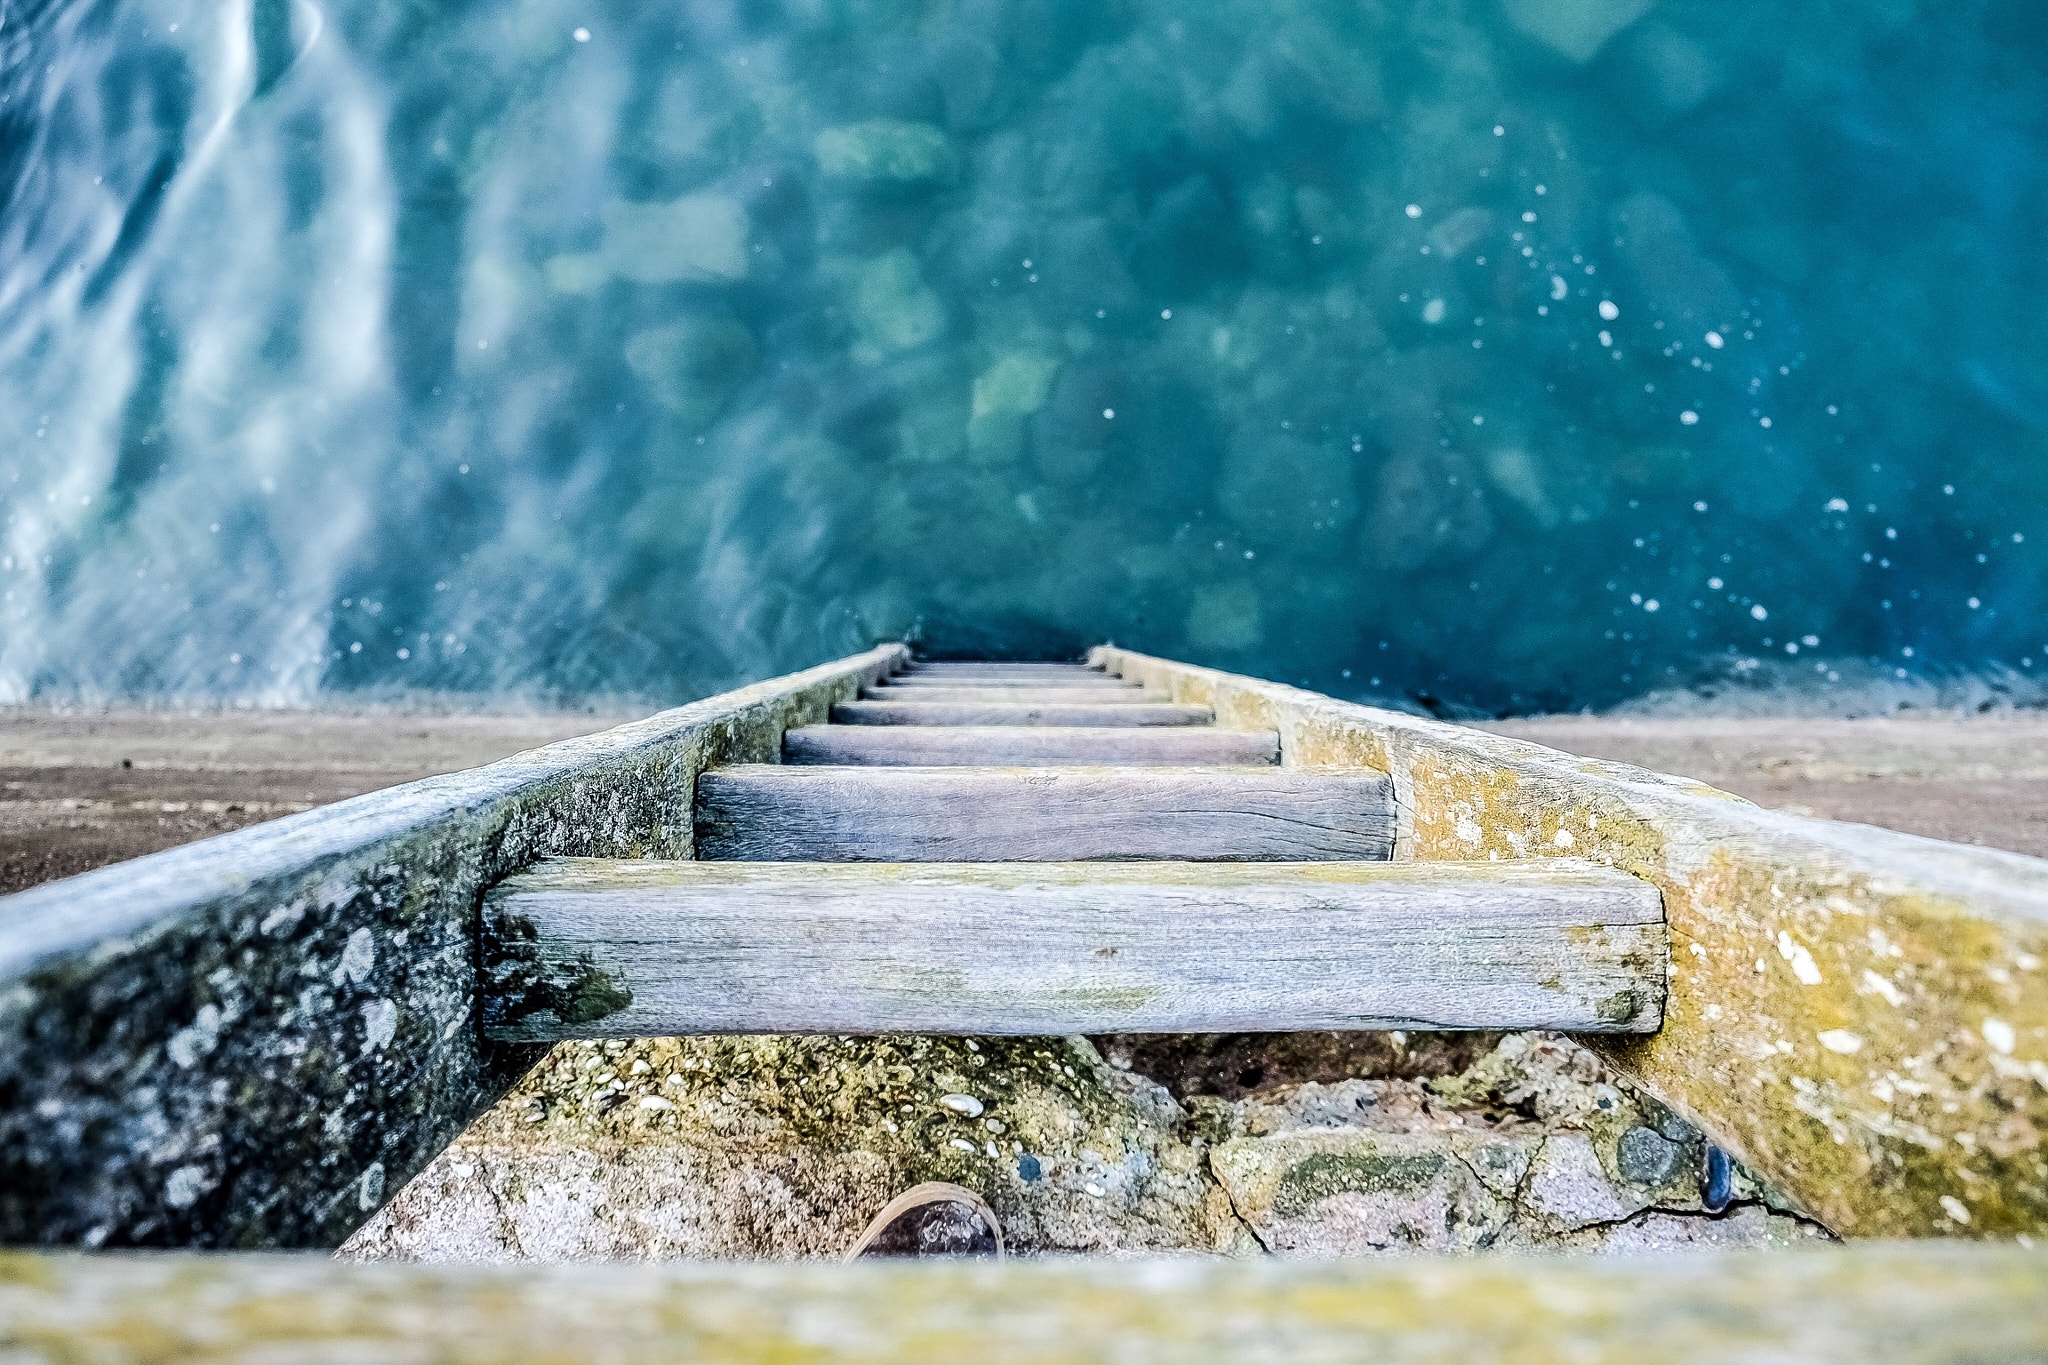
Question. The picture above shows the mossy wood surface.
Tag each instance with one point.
(586, 948)
(1861, 1015)
(933, 746)
(1904, 1305)
(786, 813)
(249, 1041)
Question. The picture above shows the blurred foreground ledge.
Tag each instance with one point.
(1903, 1304)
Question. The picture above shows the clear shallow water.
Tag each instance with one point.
(1508, 353)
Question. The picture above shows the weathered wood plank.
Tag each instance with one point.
(1925, 1303)
(1002, 713)
(248, 1041)
(769, 813)
(980, 746)
(589, 948)
(1087, 683)
(1862, 1016)
(1011, 694)
(990, 666)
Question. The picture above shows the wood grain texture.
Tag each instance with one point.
(984, 666)
(774, 813)
(952, 746)
(1016, 693)
(1060, 948)
(1009, 713)
(1085, 683)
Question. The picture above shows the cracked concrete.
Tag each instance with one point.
(783, 1148)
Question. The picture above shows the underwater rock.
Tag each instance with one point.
(1226, 617)
(1671, 74)
(1006, 393)
(891, 307)
(1576, 29)
(1188, 239)
(1286, 494)
(1431, 510)
(694, 365)
(886, 152)
(1666, 264)
(697, 239)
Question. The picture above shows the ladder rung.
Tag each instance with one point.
(778, 813)
(954, 746)
(590, 948)
(1093, 684)
(1011, 713)
(1010, 694)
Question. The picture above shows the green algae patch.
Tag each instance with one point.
(1310, 1181)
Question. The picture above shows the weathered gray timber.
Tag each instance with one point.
(1010, 694)
(999, 713)
(1083, 686)
(753, 813)
(1861, 1016)
(247, 1041)
(1029, 745)
(587, 948)
(1922, 1304)
(990, 668)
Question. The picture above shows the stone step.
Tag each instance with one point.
(586, 948)
(1032, 745)
(784, 813)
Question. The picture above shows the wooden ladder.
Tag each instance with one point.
(1045, 848)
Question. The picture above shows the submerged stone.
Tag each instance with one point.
(886, 152)
(1577, 29)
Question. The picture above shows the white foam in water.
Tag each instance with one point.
(653, 350)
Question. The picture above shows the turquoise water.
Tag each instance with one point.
(1509, 354)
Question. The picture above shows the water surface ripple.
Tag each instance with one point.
(1518, 353)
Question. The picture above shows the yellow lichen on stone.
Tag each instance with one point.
(1862, 1016)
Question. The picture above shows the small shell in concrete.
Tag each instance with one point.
(965, 1105)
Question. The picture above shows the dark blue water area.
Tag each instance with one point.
(1494, 354)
